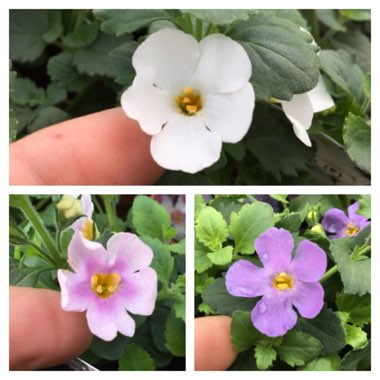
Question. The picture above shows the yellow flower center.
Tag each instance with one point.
(283, 281)
(352, 229)
(189, 102)
(89, 230)
(105, 284)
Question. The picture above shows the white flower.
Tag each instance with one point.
(190, 96)
(302, 107)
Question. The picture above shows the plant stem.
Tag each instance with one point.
(42, 254)
(81, 14)
(98, 205)
(329, 273)
(81, 95)
(27, 208)
(198, 29)
(110, 211)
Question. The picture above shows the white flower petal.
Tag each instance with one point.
(173, 55)
(87, 205)
(223, 66)
(230, 115)
(319, 96)
(300, 112)
(185, 144)
(149, 105)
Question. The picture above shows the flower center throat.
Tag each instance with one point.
(352, 229)
(283, 281)
(105, 284)
(189, 102)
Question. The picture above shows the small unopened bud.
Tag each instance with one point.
(318, 230)
(312, 217)
(70, 207)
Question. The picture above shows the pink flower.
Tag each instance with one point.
(109, 283)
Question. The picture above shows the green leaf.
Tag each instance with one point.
(48, 116)
(217, 297)
(356, 14)
(264, 356)
(365, 206)
(158, 321)
(298, 348)
(81, 37)
(55, 94)
(284, 61)
(55, 26)
(62, 71)
(291, 222)
(25, 92)
(109, 350)
(226, 206)
(327, 328)
(343, 71)
(122, 21)
(357, 141)
(24, 276)
(244, 362)
(219, 16)
(243, 333)
(136, 359)
(202, 262)
(355, 274)
(251, 221)
(26, 30)
(367, 86)
(120, 60)
(210, 228)
(221, 257)
(149, 218)
(163, 262)
(179, 247)
(330, 19)
(324, 363)
(356, 337)
(93, 59)
(357, 360)
(175, 335)
(358, 307)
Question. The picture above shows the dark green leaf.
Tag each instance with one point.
(218, 298)
(158, 323)
(175, 335)
(109, 350)
(48, 116)
(329, 17)
(284, 61)
(120, 60)
(324, 363)
(81, 37)
(358, 307)
(244, 362)
(327, 328)
(357, 141)
(219, 16)
(358, 360)
(291, 222)
(298, 348)
(23, 276)
(25, 92)
(136, 359)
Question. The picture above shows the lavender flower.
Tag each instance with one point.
(109, 282)
(283, 282)
(339, 225)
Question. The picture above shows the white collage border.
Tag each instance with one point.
(190, 191)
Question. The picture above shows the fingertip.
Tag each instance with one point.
(213, 347)
(41, 334)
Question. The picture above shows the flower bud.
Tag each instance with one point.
(70, 207)
(312, 217)
(318, 230)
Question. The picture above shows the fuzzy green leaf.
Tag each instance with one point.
(324, 363)
(356, 337)
(26, 92)
(264, 356)
(136, 359)
(221, 257)
(358, 307)
(82, 36)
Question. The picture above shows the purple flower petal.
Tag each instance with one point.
(274, 315)
(358, 220)
(310, 262)
(308, 299)
(87, 205)
(105, 321)
(86, 255)
(138, 291)
(335, 222)
(353, 209)
(128, 251)
(274, 248)
(244, 279)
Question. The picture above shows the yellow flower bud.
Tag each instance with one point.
(70, 207)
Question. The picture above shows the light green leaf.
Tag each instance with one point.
(199, 204)
(136, 359)
(217, 297)
(367, 86)
(210, 228)
(122, 21)
(343, 71)
(202, 262)
(120, 60)
(356, 14)
(81, 37)
(264, 356)
(221, 257)
(365, 206)
(324, 363)
(355, 274)
(327, 328)
(179, 247)
(356, 337)
(243, 333)
(284, 61)
(298, 348)
(358, 307)
(357, 141)
(163, 262)
(357, 360)
(149, 218)
(26, 92)
(251, 221)
(175, 335)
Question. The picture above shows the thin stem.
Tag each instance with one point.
(98, 205)
(365, 105)
(198, 29)
(329, 273)
(110, 211)
(26, 207)
(42, 254)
